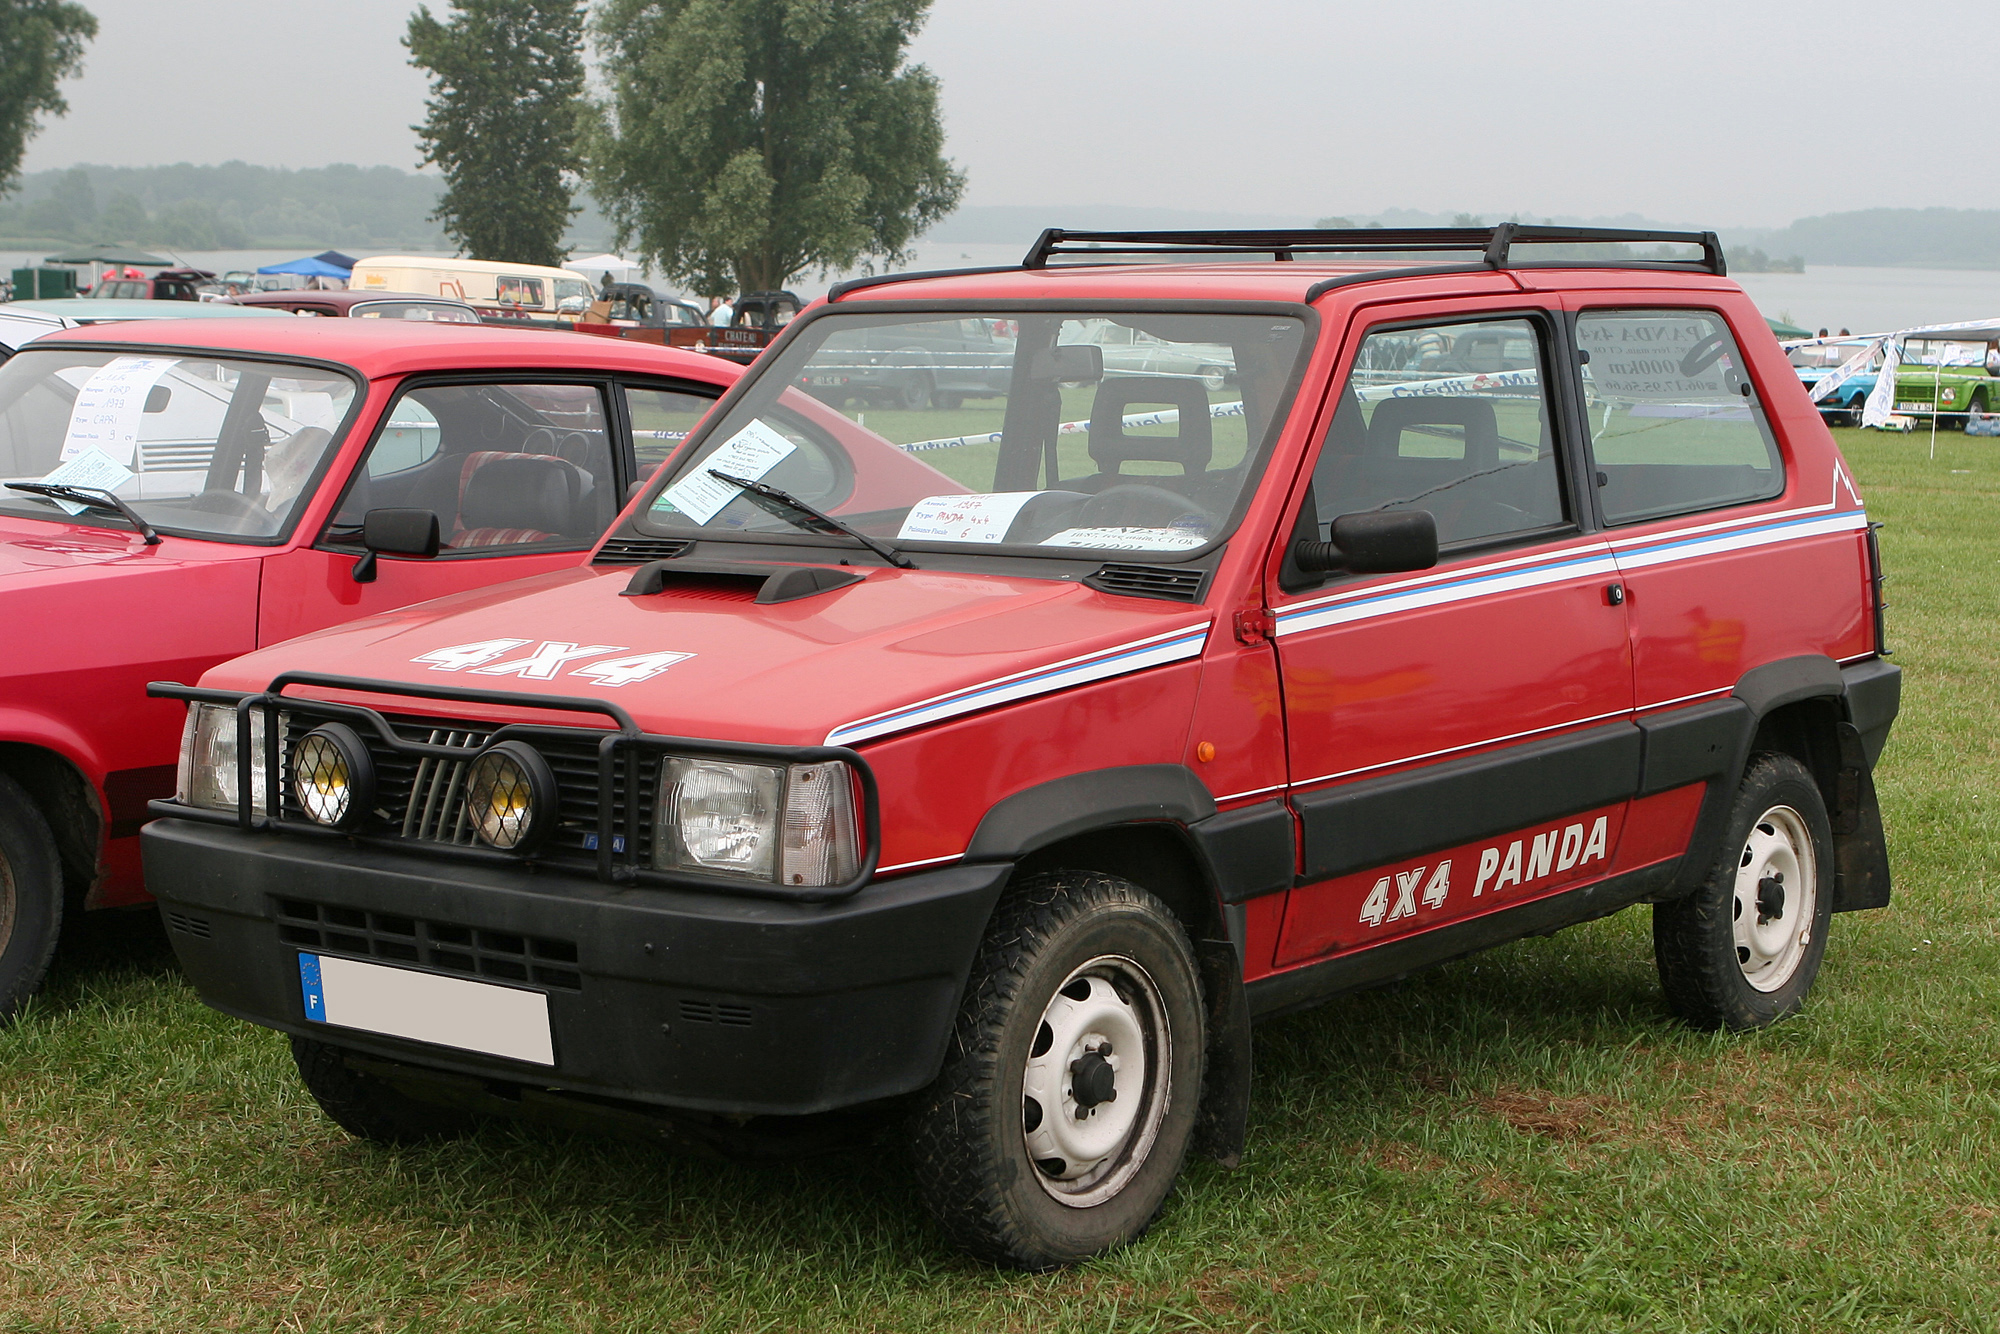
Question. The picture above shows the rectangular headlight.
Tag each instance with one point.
(791, 825)
(208, 773)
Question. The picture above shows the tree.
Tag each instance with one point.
(743, 142)
(41, 43)
(506, 87)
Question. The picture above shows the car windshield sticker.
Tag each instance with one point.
(980, 518)
(109, 406)
(749, 454)
(92, 467)
(1128, 539)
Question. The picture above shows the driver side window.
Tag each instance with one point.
(503, 466)
(1451, 418)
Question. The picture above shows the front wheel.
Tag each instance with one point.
(1059, 1123)
(1742, 951)
(1213, 377)
(31, 897)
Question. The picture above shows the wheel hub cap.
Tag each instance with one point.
(1776, 882)
(1095, 1086)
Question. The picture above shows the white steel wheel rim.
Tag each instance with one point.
(1085, 1149)
(1770, 944)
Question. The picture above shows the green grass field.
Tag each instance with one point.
(1522, 1141)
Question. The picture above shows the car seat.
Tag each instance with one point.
(506, 498)
(1192, 445)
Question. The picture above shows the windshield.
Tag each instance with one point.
(1944, 352)
(1823, 355)
(414, 310)
(1059, 432)
(195, 443)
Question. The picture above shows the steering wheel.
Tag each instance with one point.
(1137, 505)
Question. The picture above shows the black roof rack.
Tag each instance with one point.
(1493, 245)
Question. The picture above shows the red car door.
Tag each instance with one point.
(1460, 739)
(524, 474)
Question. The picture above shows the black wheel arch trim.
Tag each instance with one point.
(1079, 803)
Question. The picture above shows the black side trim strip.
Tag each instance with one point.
(1079, 803)
(1249, 850)
(1381, 820)
(1393, 961)
(1689, 745)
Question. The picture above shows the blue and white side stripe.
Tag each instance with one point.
(1590, 560)
(1660, 548)
(1153, 651)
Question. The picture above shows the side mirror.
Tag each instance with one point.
(396, 533)
(1378, 542)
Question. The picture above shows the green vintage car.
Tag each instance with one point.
(1951, 376)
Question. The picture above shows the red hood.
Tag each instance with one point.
(790, 673)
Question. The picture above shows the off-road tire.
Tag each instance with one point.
(31, 898)
(1694, 938)
(973, 1162)
(369, 1107)
(914, 395)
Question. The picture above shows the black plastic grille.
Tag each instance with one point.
(715, 1012)
(501, 956)
(1175, 583)
(423, 799)
(639, 550)
(188, 924)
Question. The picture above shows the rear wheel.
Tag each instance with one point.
(1213, 378)
(31, 897)
(1059, 1123)
(1742, 951)
(915, 393)
(368, 1106)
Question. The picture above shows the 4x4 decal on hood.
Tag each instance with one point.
(548, 659)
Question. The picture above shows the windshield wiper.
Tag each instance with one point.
(776, 503)
(96, 497)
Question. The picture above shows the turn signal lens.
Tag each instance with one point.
(510, 797)
(333, 776)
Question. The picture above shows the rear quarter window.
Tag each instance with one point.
(1672, 426)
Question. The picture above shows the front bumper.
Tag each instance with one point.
(679, 998)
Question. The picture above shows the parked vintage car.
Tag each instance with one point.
(179, 493)
(1951, 375)
(914, 367)
(164, 285)
(1815, 361)
(528, 292)
(24, 321)
(979, 793)
(363, 305)
(1133, 351)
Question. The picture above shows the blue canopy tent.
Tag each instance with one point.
(310, 267)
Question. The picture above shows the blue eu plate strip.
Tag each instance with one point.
(315, 997)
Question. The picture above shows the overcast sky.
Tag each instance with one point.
(1732, 113)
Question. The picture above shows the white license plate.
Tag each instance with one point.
(424, 1007)
(1912, 407)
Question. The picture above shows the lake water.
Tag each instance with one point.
(1865, 300)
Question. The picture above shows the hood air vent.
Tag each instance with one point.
(1175, 583)
(639, 550)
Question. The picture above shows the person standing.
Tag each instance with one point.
(721, 311)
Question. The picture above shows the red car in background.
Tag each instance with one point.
(179, 493)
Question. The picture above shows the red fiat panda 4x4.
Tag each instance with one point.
(992, 769)
(177, 493)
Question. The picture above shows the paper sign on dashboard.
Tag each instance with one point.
(1128, 539)
(109, 408)
(979, 518)
(749, 454)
